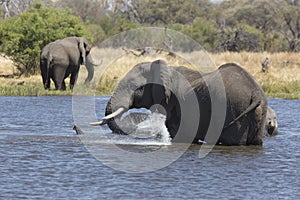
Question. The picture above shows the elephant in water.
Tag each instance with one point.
(62, 58)
(158, 87)
(271, 126)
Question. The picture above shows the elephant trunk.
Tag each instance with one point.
(90, 64)
(111, 118)
(90, 68)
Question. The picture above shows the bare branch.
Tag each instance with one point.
(14, 7)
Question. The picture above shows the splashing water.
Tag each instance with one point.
(149, 126)
(155, 125)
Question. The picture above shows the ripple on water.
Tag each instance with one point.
(42, 158)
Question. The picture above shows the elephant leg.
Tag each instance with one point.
(58, 77)
(44, 73)
(47, 81)
(73, 78)
(256, 137)
(63, 85)
(47, 85)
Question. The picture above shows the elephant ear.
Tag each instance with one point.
(161, 76)
(84, 48)
(87, 47)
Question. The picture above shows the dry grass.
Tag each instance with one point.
(282, 79)
(283, 67)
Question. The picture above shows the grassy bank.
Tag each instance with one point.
(30, 89)
(282, 79)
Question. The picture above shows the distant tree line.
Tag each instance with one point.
(231, 25)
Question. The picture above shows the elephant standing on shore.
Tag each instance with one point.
(160, 88)
(62, 58)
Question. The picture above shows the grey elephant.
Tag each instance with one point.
(271, 126)
(62, 58)
(160, 88)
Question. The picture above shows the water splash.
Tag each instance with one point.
(146, 127)
(155, 126)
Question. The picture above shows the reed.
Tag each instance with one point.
(282, 79)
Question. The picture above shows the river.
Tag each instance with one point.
(41, 157)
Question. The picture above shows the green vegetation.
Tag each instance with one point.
(31, 89)
(282, 90)
(287, 90)
(22, 37)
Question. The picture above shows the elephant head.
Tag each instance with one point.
(271, 126)
(83, 46)
(142, 87)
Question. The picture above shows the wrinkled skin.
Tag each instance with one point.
(271, 126)
(62, 58)
(148, 85)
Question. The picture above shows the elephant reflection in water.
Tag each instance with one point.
(148, 85)
(62, 58)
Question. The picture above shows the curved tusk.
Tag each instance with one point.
(112, 115)
(100, 123)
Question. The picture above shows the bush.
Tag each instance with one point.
(22, 37)
(203, 31)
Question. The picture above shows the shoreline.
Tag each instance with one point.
(27, 87)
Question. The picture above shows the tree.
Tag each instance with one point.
(242, 38)
(89, 11)
(22, 37)
(273, 21)
(162, 12)
(291, 24)
(203, 31)
(15, 7)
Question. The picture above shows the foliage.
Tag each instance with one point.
(22, 37)
(122, 25)
(203, 31)
(88, 10)
(231, 25)
(277, 21)
(243, 38)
